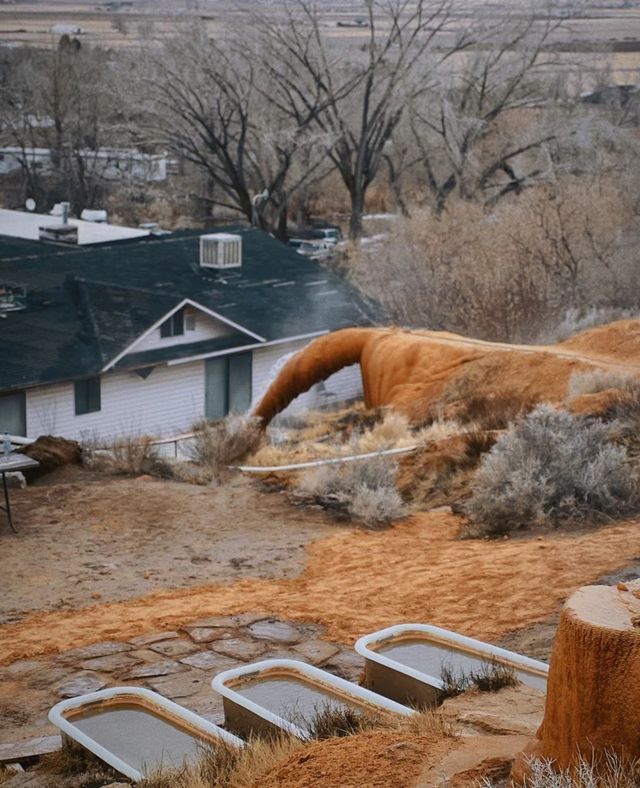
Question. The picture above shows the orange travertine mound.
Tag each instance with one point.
(593, 693)
(408, 370)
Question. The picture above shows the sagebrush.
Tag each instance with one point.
(551, 468)
(611, 771)
(363, 490)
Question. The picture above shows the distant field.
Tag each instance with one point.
(31, 23)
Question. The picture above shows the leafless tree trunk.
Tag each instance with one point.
(361, 93)
(461, 131)
(214, 106)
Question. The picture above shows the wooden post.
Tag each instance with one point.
(593, 693)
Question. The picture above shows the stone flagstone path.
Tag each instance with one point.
(178, 665)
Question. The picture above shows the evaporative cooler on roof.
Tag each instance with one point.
(220, 250)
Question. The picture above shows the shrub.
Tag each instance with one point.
(364, 490)
(611, 772)
(594, 381)
(551, 468)
(219, 444)
(132, 455)
(577, 320)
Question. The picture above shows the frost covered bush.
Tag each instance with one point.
(363, 490)
(551, 468)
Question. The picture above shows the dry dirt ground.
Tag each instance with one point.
(83, 537)
(353, 582)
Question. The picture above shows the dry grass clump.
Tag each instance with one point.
(192, 473)
(431, 722)
(218, 444)
(132, 455)
(461, 403)
(612, 771)
(353, 434)
(489, 677)
(494, 413)
(127, 455)
(73, 767)
(290, 452)
(364, 490)
(551, 468)
(393, 432)
(226, 766)
(331, 721)
(593, 381)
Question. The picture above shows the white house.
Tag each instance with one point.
(150, 335)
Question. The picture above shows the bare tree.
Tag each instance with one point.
(62, 111)
(213, 106)
(360, 90)
(468, 138)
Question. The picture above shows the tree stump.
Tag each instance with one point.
(593, 692)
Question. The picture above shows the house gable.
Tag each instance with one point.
(199, 327)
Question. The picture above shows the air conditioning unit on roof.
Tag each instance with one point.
(220, 250)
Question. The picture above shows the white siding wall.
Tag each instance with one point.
(206, 328)
(166, 403)
(346, 384)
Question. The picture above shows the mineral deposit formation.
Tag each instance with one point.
(593, 693)
(409, 370)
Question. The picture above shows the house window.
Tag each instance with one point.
(173, 326)
(13, 414)
(87, 396)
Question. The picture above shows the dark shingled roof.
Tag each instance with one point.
(86, 305)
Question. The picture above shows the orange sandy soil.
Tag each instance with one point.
(377, 759)
(357, 581)
(399, 759)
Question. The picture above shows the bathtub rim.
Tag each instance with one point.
(317, 676)
(57, 712)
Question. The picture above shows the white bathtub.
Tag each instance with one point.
(276, 682)
(412, 674)
(135, 730)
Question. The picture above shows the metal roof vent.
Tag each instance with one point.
(64, 233)
(220, 250)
